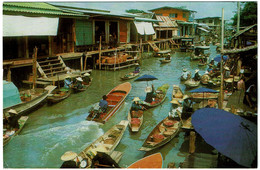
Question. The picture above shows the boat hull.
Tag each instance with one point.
(151, 161)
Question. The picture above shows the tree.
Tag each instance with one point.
(248, 15)
(134, 11)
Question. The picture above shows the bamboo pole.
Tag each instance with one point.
(34, 66)
(221, 63)
(99, 53)
(81, 63)
(140, 53)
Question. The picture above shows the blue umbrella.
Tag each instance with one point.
(203, 90)
(146, 78)
(230, 134)
(218, 58)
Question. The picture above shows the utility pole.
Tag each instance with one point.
(221, 63)
(238, 16)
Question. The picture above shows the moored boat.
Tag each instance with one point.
(8, 135)
(135, 119)
(159, 97)
(36, 97)
(151, 161)
(130, 76)
(191, 83)
(58, 95)
(115, 99)
(166, 130)
(85, 87)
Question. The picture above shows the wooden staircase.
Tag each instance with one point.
(51, 66)
(153, 45)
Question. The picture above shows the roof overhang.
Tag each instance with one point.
(14, 26)
(144, 28)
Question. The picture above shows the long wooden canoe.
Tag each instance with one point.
(151, 161)
(115, 99)
(163, 132)
(165, 61)
(57, 95)
(159, 99)
(108, 141)
(177, 95)
(130, 76)
(38, 96)
(7, 138)
(135, 122)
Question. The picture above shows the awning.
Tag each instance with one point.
(29, 26)
(203, 29)
(144, 28)
(165, 29)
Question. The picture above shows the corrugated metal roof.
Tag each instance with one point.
(166, 21)
(168, 7)
(36, 8)
(243, 31)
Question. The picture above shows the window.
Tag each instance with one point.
(184, 15)
(173, 15)
(159, 14)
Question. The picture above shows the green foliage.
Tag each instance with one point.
(134, 11)
(248, 15)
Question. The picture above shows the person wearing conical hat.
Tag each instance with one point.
(136, 106)
(70, 160)
(67, 82)
(197, 76)
(168, 57)
(185, 74)
(78, 83)
(86, 78)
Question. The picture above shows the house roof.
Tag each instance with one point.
(207, 18)
(92, 11)
(168, 7)
(166, 21)
(243, 31)
(36, 8)
(146, 19)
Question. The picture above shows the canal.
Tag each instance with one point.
(53, 130)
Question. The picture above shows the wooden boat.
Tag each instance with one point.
(108, 141)
(177, 95)
(162, 53)
(37, 97)
(160, 97)
(135, 120)
(151, 161)
(200, 52)
(130, 76)
(115, 99)
(163, 132)
(85, 87)
(58, 95)
(191, 83)
(7, 138)
(165, 61)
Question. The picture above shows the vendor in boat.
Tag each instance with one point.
(185, 74)
(78, 83)
(187, 105)
(103, 104)
(149, 94)
(101, 160)
(137, 68)
(71, 160)
(197, 76)
(174, 114)
(67, 82)
(136, 106)
(86, 78)
(168, 57)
